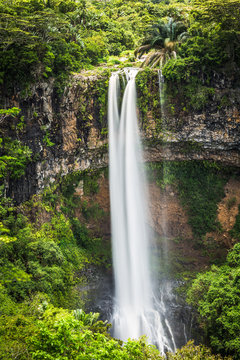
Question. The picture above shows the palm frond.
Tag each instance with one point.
(158, 41)
(183, 36)
(141, 50)
(151, 58)
(164, 38)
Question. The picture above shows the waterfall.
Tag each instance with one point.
(163, 200)
(161, 97)
(137, 310)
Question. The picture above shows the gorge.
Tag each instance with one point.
(119, 179)
(79, 149)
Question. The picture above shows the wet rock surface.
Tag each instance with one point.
(180, 321)
(98, 292)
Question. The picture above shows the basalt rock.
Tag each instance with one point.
(63, 132)
(68, 132)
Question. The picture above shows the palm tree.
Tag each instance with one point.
(162, 39)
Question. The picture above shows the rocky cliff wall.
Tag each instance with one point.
(196, 121)
(68, 132)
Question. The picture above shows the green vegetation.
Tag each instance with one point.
(42, 39)
(164, 38)
(212, 43)
(197, 40)
(148, 96)
(211, 49)
(14, 155)
(14, 158)
(43, 248)
(38, 258)
(45, 251)
(192, 352)
(216, 296)
(37, 330)
(45, 244)
(51, 39)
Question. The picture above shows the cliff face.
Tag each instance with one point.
(213, 134)
(69, 132)
(65, 133)
(200, 122)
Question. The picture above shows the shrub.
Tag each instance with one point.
(193, 352)
(216, 296)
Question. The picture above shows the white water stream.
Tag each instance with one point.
(137, 310)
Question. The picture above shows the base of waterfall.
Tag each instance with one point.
(134, 324)
(172, 310)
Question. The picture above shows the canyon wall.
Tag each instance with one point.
(68, 131)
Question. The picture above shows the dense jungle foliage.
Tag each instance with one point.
(52, 38)
(216, 295)
(40, 39)
(44, 247)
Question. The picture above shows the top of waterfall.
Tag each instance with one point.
(129, 72)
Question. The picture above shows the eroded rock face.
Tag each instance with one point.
(98, 225)
(167, 220)
(213, 130)
(69, 132)
(226, 214)
(167, 215)
(64, 132)
(182, 151)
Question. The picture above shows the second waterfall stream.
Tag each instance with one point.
(137, 310)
